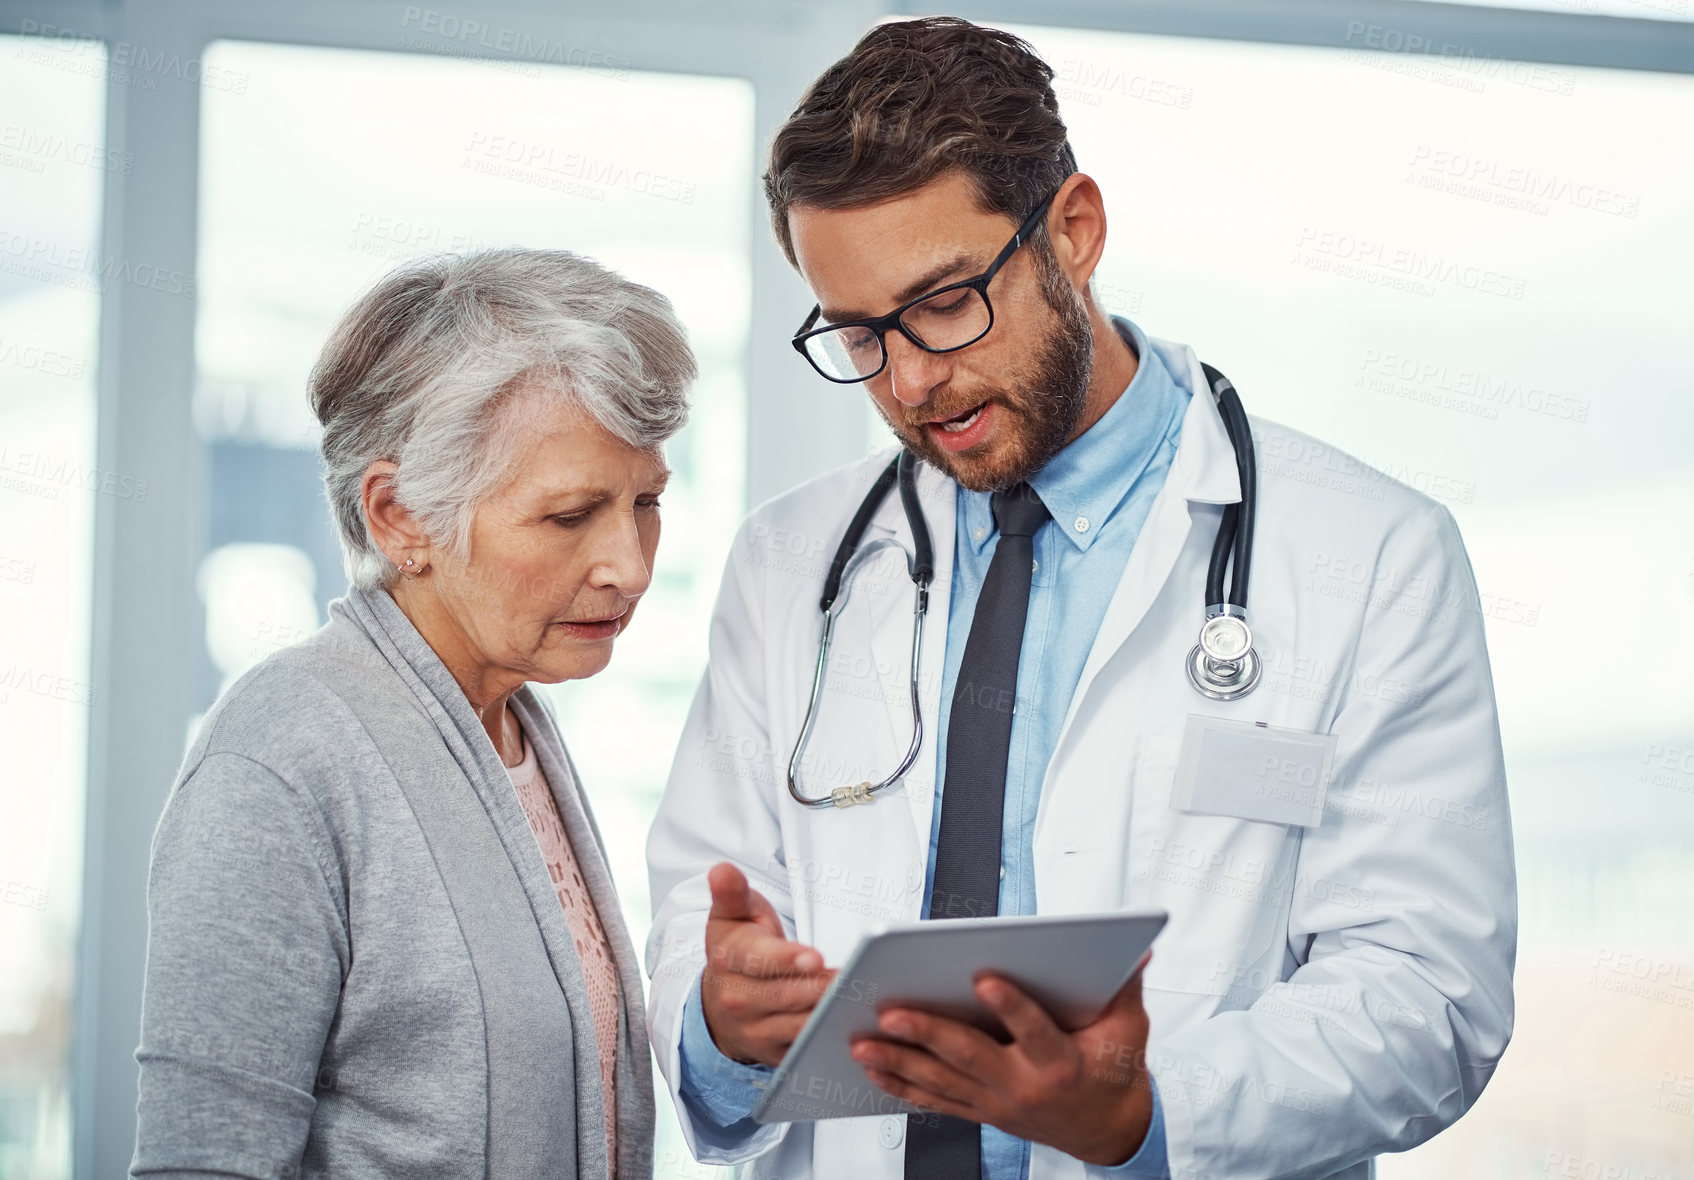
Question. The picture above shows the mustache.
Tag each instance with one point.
(917, 419)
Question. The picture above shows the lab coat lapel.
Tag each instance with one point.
(1203, 471)
(892, 638)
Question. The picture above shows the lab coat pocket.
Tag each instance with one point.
(1224, 880)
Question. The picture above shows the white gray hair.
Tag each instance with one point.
(421, 367)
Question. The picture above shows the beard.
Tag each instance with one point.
(1040, 405)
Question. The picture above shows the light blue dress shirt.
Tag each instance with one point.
(1099, 490)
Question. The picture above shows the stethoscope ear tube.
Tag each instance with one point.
(922, 563)
(1236, 530)
(1222, 548)
(923, 556)
(1242, 437)
(856, 530)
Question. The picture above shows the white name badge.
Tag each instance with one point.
(1253, 771)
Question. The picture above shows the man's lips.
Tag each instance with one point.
(963, 431)
(959, 417)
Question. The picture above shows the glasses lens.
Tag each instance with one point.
(845, 354)
(948, 319)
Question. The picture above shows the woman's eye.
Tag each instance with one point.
(572, 520)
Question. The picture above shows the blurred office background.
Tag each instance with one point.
(1454, 240)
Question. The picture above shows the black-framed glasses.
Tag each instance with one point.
(944, 320)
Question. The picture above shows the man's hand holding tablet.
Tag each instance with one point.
(1084, 1092)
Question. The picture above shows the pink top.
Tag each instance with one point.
(598, 971)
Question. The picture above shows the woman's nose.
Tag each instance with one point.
(621, 563)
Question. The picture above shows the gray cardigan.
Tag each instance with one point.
(357, 965)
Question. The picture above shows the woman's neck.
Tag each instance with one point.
(487, 687)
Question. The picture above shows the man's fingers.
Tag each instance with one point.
(734, 900)
(917, 1067)
(1034, 1031)
(754, 995)
(739, 903)
(968, 1050)
(748, 949)
(900, 1088)
(780, 1029)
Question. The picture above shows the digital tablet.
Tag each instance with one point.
(1071, 964)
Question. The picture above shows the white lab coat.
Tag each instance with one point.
(1321, 994)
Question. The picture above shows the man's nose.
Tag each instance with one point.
(913, 373)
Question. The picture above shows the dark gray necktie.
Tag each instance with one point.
(973, 800)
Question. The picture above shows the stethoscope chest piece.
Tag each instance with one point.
(1223, 665)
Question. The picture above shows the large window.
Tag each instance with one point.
(1469, 271)
(648, 173)
(53, 161)
(1474, 275)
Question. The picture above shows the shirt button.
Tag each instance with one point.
(893, 1133)
(1002, 872)
(1034, 567)
(979, 534)
(1081, 524)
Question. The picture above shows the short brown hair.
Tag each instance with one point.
(916, 99)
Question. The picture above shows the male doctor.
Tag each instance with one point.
(1333, 983)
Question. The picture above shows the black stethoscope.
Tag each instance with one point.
(1223, 665)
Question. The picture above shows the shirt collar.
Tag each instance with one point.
(1084, 483)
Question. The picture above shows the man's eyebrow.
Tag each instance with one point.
(930, 279)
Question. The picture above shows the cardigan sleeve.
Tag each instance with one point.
(246, 950)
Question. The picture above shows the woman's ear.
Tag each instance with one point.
(393, 528)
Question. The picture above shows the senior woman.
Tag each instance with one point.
(383, 938)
